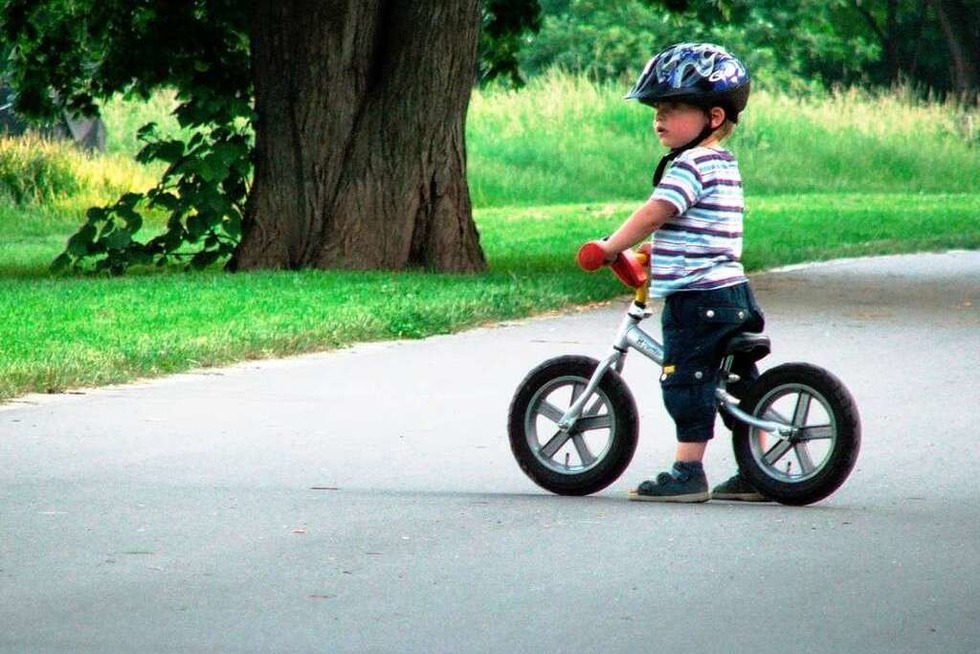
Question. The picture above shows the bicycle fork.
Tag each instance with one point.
(629, 335)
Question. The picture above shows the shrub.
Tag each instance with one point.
(35, 171)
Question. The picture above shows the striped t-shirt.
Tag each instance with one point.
(700, 248)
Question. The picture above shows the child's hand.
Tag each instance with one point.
(629, 266)
(610, 254)
(594, 255)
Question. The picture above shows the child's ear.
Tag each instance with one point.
(716, 117)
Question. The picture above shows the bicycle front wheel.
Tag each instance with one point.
(591, 455)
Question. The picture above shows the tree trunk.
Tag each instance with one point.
(893, 45)
(360, 152)
(959, 27)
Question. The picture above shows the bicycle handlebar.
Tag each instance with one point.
(629, 265)
(591, 256)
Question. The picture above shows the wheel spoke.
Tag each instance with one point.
(593, 422)
(550, 411)
(778, 451)
(554, 444)
(817, 432)
(803, 456)
(802, 409)
(583, 450)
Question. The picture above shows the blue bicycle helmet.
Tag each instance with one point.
(702, 74)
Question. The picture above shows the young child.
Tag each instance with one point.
(695, 216)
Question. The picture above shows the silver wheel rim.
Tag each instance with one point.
(803, 455)
(585, 446)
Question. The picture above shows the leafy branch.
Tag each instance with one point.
(203, 191)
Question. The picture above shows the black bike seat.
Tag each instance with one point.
(749, 346)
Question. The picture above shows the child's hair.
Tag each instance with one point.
(725, 130)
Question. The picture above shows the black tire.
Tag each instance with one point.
(596, 451)
(825, 448)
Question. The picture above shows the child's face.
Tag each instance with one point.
(677, 123)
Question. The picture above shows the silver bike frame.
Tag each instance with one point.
(631, 336)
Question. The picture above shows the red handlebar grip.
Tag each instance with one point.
(631, 269)
(591, 256)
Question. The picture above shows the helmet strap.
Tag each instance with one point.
(706, 131)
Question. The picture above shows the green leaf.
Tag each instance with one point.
(118, 239)
(146, 132)
(204, 259)
(87, 232)
(134, 223)
(61, 263)
(212, 169)
(233, 227)
(78, 245)
(164, 200)
(168, 152)
(197, 225)
(129, 200)
(96, 214)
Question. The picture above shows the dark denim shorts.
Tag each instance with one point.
(696, 325)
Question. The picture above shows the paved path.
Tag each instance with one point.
(366, 500)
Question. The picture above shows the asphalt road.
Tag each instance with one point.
(366, 500)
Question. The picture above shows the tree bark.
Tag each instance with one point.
(959, 28)
(360, 157)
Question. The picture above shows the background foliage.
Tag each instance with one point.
(829, 173)
(785, 44)
(90, 51)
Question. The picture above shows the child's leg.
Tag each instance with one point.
(690, 452)
(695, 325)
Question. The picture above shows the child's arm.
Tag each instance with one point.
(644, 221)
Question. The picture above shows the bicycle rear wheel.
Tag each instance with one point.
(812, 462)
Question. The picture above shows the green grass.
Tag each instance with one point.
(836, 176)
(788, 229)
(59, 333)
